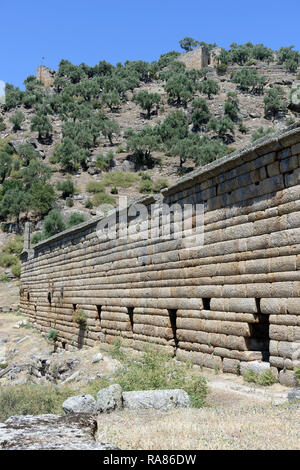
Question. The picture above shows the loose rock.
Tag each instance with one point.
(294, 394)
(109, 399)
(79, 404)
(97, 358)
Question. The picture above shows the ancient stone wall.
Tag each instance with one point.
(45, 75)
(222, 304)
(197, 59)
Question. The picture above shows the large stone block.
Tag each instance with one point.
(256, 366)
(109, 399)
(156, 399)
(79, 404)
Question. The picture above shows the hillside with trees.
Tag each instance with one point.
(69, 149)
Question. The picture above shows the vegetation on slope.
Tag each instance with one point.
(85, 102)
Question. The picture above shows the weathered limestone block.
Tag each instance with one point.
(284, 333)
(288, 320)
(289, 350)
(205, 360)
(231, 365)
(214, 326)
(205, 348)
(79, 404)
(282, 363)
(150, 330)
(154, 320)
(288, 378)
(109, 399)
(276, 306)
(234, 305)
(240, 355)
(256, 366)
(156, 399)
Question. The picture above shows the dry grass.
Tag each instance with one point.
(229, 428)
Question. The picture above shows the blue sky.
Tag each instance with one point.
(92, 30)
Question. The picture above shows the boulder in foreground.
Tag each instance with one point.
(50, 432)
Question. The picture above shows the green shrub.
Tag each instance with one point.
(37, 237)
(88, 204)
(75, 219)
(4, 278)
(274, 101)
(14, 246)
(242, 128)
(52, 335)
(103, 198)
(80, 319)
(114, 190)
(2, 124)
(155, 370)
(120, 149)
(290, 121)
(144, 176)
(53, 224)
(103, 160)
(147, 101)
(159, 184)
(249, 376)
(95, 187)
(221, 69)
(66, 187)
(7, 260)
(146, 186)
(16, 270)
(249, 80)
(17, 119)
(116, 352)
(265, 379)
(260, 133)
(120, 179)
(31, 400)
(54, 159)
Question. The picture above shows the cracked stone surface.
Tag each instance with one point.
(50, 432)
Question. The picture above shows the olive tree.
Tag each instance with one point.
(146, 101)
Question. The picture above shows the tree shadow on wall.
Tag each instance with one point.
(80, 339)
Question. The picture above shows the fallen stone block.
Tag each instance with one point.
(157, 399)
(287, 378)
(109, 399)
(79, 404)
